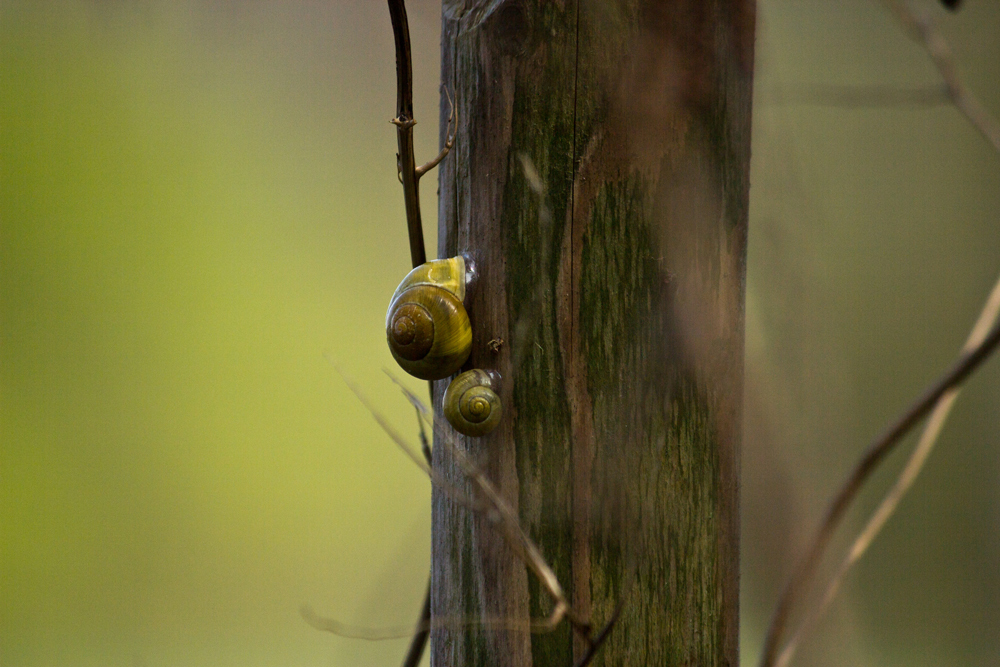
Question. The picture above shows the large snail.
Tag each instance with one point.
(471, 403)
(427, 326)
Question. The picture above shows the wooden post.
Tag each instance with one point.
(612, 306)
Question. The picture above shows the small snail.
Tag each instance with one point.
(427, 326)
(471, 403)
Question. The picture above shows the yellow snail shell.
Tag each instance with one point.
(471, 403)
(427, 327)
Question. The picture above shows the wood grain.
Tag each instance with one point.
(620, 441)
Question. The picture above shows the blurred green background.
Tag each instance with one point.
(198, 204)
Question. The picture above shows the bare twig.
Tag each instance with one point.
(401, 442)
(940, 397)
(423, 412)
(928, 438)
(855, 97)
(404, 123)
(497, 511)
(923, 30)
(422, 634)
(500, 512)
(876, 452)
(449, 142)
(409, 175)
(425, 625)
(598, 641)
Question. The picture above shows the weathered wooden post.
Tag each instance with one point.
(612, 306)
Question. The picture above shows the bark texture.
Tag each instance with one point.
(612, 306)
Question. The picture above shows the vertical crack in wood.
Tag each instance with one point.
(578, 398)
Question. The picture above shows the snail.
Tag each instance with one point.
(427, 326)
(471, 403)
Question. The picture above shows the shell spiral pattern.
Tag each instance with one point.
(471, 403)
(427, 327)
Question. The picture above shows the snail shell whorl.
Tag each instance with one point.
(471, 403)
(427, 327)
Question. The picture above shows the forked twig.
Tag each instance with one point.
(425, 625)
(928, 438)
(404, 123)
(449, 142)
(940, 397)
(874, 455)
(495, 508)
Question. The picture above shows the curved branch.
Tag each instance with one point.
(404, 123)
(924, 31)
(874, 455)
(932, 429)
(448, 144)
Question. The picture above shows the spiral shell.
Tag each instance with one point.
(471, 403)
(427, 327)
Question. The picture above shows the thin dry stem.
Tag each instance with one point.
(987, 318)
(939, 397)
(401, 442)
(496, 509)
(873, 456)
(922, 28)
(448, 144)
(335, 627)
(404, 123)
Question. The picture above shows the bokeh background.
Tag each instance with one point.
(199, 210)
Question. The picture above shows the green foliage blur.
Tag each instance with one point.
(199, 211)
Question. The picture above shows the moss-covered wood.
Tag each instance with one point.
(612, 305)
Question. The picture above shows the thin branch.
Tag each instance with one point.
(422, 413)
(335, 627)
(498, 511)
(987, 319)
(401, 442)
(856, 97)
(602, 636)
(597, 642)
(876, 452)
(923, 30)
(404, 123)
(422, 634)
(449, 142)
